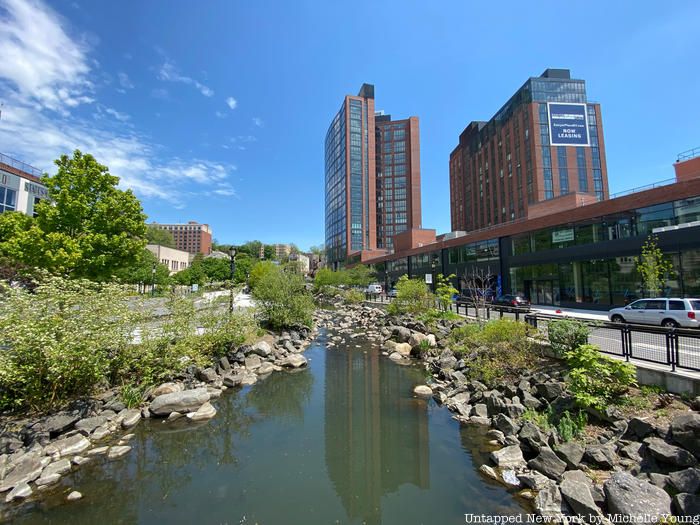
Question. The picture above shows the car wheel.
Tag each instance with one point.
(618, 319)
(669, 323)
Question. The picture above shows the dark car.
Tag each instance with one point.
(474, 296)
(512, 301)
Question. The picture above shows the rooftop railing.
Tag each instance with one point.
(690, 154)
(22, 166)
(651, 186)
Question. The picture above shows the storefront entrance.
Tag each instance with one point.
(540, 292)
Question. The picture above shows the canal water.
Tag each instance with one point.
(344, 441)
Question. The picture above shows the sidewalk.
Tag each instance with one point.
(596, 315)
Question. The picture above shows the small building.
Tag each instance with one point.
(302, 261)
(20, 186)
(173, 258)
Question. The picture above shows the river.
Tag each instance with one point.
(343, 441)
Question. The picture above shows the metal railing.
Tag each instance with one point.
(678, 348)
(690, 154)
(22, 166)
(651, 186)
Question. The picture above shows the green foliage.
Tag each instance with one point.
(244, 264)
(259, 271)
(654, 267)
(87, 228)
(282, 298)
(141, 271)
(498, 349)
(131, 396)
(156, 235)
(358, 275)
(353, 296)
(568, 426)
(597, 380)
(445, 291)
(269, 252)
(59, 340)
(412, 296)
(566, 335)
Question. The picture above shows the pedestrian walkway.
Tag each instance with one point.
(594, 315)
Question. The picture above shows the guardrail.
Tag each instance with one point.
(678, 348)
(22, 166)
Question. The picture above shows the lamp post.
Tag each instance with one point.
(153, 280)
(232, 255)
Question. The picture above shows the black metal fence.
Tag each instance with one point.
(678, 348)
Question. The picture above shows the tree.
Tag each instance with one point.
(215, 269)
(156, 235)
(251, 248)
(269, 252)
(282, 297)
(359, 275)
(86, 228)
(478, 286)
(654, 267)
(317, 249)
(412, 296)
(141, 272)
(259, 270)
(244, 264)
(445, 291)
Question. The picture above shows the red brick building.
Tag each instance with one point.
(544, 143)
(192, 237)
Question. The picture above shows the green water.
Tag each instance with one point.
(343, 441)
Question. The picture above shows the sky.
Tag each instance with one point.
(216, 111)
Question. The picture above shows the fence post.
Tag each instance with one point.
(488, 312)
(672, 348)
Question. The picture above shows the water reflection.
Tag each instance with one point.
(376, 434)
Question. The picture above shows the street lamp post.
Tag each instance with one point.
(153, 280)
(232, 255)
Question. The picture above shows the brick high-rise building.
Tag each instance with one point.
(192, 237)
(372, 178)
(543, 151)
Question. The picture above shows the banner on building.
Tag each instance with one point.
(562, 235)
(568, 124)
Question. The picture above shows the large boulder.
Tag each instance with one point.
(58, 423)
(548, 504)
(401, 334)
(203, 413)
(685, 430)
(423, 390)
(548, 463)
(687, 480)
(403, 348)
(570, 453)
(601, 455)
(578, 496)
(508, 457)
(294, 361)
(252, 362)
(167, 388)
(634, 499)
(208, 375)
(182, 402)
(26, 470)
(68, 446)
(671, 454)
(262, 348)
(87, 425)
(687, 505)
(531, 435)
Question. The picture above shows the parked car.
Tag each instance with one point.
(392, 293)
(671, 313)
(512, 301)
(374, 289)
(471, 296)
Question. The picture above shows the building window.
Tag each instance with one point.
(581, 164)
(8, 199)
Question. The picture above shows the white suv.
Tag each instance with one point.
(670, 313)
(374, 289)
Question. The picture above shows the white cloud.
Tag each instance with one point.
(169, 73)
(125, 81)
(42, 68)
(40, 63)
(258, 122)
(231, 102)
(220, 114)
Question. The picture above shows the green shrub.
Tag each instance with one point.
(131, 396)
(597, 380)
(412, 297)
(283, 299)
(568, 426)
(358, 275)
(353, 296)
(566, 335)
(541, 419)
(58, 342)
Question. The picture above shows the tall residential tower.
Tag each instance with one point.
(372, 179)
(542, 152)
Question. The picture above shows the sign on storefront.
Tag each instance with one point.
(568, 124)
(562, 235)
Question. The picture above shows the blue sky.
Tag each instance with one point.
(216, 111)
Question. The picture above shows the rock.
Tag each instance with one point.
(26, 470)
(265, 368)
(403, 348)
(208, 375)
(477, 420)
(118, 451)
(548, 504)
(252, 362)
(395, 356)
(74, 496)
(508, 457)
(570, 453)
(658, 480)
(173, 416)
(550, 390)
(389, 345)
(480, 410)
(224, 364)
(97, 451)
(167, 388)
(59, 423)
(635, 499)
(402, 334)
(535, 480)
(531, 436)
(639, 428)
(488, 472)
(685, 430)
(632, 451)
(203, 413)
(416, 339)
(248, 379)
(601, 455)
(47, 479)
(671, 454)
(495, 403)
(530, 401)
(101, 432)
(514, 410)
(262, 348)
(89, 424)
(423, 390)
(21, 491)
(67, 446)
(62, 466)
(687, 480)
(579, 498)
(131, 418)
(548, 463)
(687, 505)
(510, 478)
(506, 425)
(183, 402)
(294, 361)
(231, 380)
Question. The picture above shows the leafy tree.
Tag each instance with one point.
(259, 270)
(250, 248)
(359, 275)
(444, 291)
(142, 270)
(269, 252)
(317, 249)
(654, 267)
(86, 228)
(156, 235)
(216, 269)
(244, 264)
(412, 296)
(194, 274)
(282, 296)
